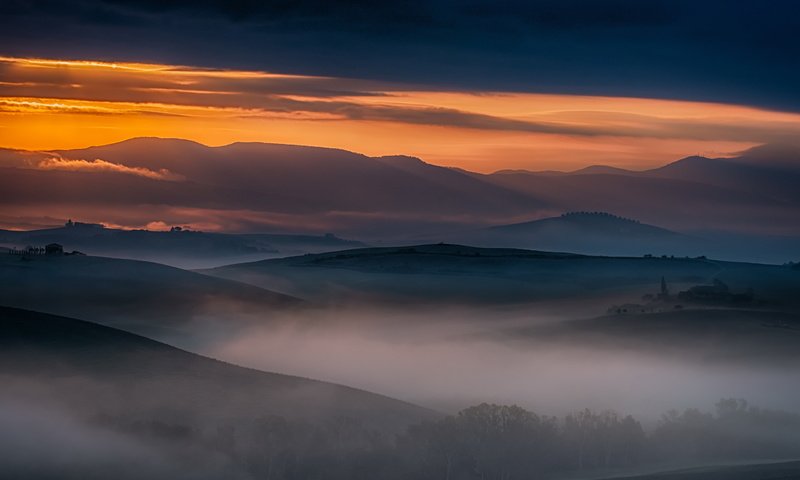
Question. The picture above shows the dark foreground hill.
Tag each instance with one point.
(117, 372)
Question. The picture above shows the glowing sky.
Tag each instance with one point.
(55, 104)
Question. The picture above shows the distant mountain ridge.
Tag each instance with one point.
(584, 232)
(593, 222)
(257, 187)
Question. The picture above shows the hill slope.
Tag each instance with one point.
(133, 375)
(144, 297)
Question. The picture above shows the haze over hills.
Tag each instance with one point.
(107, 400)
(128, 368)
(360, 240)
(179, 247)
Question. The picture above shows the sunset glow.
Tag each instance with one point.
(50, 104)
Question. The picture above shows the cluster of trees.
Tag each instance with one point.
(597, 214)
(494, 442)
(501, 442)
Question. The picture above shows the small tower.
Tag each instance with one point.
(664, 295)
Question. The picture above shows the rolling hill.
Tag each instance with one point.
(445, 273)
(181, 248)
(144, 297)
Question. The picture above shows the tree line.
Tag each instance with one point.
(488, 442)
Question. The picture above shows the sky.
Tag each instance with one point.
(479, 85)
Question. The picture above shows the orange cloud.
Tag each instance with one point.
(97, 165)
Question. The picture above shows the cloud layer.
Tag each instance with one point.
(715, 50)
(97, 165)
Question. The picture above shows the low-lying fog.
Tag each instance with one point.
(448, 359)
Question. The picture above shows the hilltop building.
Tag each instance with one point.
(71, 224)
(716, 294)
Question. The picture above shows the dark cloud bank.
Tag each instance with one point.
(719, 51)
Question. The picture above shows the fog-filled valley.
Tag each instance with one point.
(422, 343)
(437, 240)
(118, 399)
(483, 363)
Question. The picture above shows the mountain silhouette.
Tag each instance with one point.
(255, 187)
